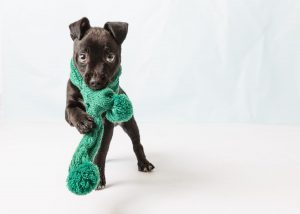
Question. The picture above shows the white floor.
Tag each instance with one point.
(199, 169)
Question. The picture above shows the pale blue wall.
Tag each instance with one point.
(190, 61)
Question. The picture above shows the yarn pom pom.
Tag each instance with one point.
(121, 110)
(83, 178)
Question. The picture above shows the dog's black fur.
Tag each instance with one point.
(97, 56)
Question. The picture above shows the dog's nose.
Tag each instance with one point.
(94, 83)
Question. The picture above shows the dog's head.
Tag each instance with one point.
(97, 51)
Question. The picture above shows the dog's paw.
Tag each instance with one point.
(101, 184)
(100, 187)
(145, 166)
(84, 123)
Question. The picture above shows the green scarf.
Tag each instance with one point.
(83, 173)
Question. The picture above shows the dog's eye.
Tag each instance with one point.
(110, 58)
(82, 58)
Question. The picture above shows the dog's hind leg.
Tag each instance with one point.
(102, 153)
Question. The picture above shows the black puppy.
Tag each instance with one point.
(97, 56)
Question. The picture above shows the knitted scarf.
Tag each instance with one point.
(83, 173)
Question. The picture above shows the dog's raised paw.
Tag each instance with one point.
(145, 166)
(85, 124)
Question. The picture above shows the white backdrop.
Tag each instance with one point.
(189, 61)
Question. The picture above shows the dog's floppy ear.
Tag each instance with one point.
(118, 30)
(78, 29)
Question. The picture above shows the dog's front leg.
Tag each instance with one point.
(132, 130)
(75, 113)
